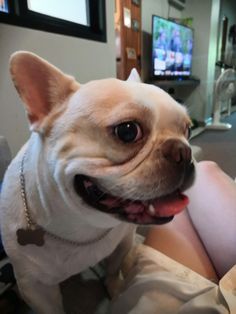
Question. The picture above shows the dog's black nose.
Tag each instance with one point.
(175, 151)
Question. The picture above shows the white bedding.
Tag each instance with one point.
(157, 284)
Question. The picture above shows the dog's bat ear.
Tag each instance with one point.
(134, 76)
(40, 85)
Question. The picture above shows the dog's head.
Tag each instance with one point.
(117, 150)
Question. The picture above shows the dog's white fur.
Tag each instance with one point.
(69, 124)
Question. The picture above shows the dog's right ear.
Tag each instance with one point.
(40, 85)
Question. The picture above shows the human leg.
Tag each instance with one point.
(179, 240)
(213, 213)
(203, 239)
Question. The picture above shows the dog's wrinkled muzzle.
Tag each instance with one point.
(175, 151)
(178, 155)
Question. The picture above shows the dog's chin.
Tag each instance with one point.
(160, 210)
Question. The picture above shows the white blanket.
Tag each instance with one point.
(154, 283)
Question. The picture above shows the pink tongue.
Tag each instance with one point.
(164, 207)
(170, 206)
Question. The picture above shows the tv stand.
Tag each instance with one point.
(180, 89)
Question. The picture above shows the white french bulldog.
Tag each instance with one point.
(102, 158)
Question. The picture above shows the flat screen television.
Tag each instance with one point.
(172, 46)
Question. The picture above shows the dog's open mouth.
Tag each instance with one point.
(156, 211)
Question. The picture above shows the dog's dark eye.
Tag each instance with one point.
(188, 132)
(128, 132)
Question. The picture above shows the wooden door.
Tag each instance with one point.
(128, 37)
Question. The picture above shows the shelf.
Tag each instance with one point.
(178, 89)
(175, 83)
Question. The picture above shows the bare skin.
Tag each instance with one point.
(203, 238)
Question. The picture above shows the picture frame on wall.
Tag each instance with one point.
(136, 2)
(131, 53)
(127, 17)
(135, 25)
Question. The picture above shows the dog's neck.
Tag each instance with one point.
(47, 207)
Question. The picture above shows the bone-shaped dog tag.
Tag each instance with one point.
(30, 236)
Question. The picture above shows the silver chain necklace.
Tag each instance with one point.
(33, 233)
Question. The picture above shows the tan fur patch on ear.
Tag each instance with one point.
(41, 86)
(68, 87)
(48, 122)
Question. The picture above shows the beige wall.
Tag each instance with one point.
(84, 59)
(205, 23)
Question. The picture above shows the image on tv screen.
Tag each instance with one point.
(172, 46)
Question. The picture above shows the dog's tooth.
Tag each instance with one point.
(87, 184)
(151, 210)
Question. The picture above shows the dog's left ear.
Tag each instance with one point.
(41, 86)
(134, 76)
